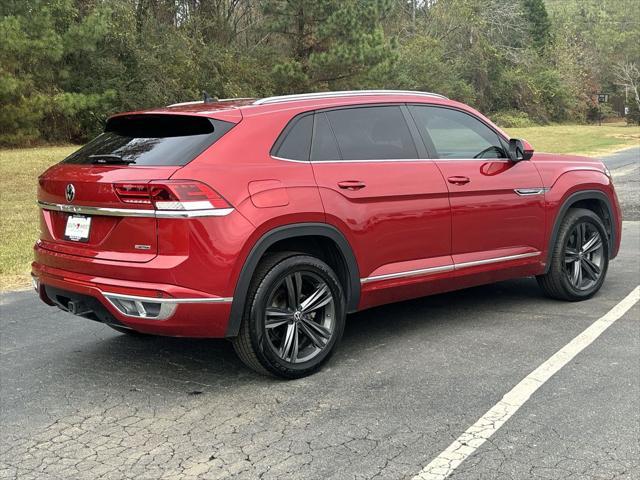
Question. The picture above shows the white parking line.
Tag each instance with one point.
(467, 443)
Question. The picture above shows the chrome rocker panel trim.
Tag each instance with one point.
(447, 268)
(409, 273)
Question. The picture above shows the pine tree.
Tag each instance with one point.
(539, 23)
(331, 42)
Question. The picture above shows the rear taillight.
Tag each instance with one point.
(171, 195)
(133, 193)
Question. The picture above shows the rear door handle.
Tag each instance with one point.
(458, 180)
(351, 184)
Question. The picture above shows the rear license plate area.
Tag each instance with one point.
(77, 228)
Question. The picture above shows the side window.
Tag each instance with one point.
(297, 140)
(372, 133)
(455, 134)
(324, 145)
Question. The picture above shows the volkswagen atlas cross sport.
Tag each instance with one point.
(268, 221)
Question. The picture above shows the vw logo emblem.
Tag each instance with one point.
(70, 192)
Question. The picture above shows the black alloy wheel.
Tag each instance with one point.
(584, 255)
(579, 259)
(300, 317)
(294, 316)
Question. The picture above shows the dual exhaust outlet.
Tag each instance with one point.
(131, 308)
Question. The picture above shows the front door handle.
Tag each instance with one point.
(458, 180)
(351, 184)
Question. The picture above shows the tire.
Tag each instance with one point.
(578, 263)
(277, 339)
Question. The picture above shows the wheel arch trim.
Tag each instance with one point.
(566, 205)
(286, 232)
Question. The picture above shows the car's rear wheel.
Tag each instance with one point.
(294, 316)
(580, 257)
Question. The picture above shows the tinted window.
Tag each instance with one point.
(372, 133)
(151, 140)
(324, 145)
(456, 134)
(297, 140)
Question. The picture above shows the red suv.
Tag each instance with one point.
(267, 221)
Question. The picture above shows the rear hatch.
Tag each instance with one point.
(96, 203)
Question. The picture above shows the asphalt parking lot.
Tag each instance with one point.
(81, 401)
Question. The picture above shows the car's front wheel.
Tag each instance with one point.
(580, 257)
(294, 316)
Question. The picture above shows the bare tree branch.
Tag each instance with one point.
(627, 75)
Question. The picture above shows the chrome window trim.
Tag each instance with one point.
(316, 162)
(289, 159)
(485, 160)
(448, 268)
(380, 160)
(138, 298)
(133, 212)
(344, 93)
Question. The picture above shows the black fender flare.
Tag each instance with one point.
(352, 290)
(568, 203)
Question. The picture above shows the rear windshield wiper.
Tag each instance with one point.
(108, 158)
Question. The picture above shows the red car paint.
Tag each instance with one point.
(415, 227)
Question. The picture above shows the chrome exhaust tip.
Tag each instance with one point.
(140, 307)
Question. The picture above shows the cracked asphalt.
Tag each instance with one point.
(80, 401)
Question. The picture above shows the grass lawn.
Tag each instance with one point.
(20, 168)
(579, 139)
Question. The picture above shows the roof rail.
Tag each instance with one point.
(220, 100)
(185, 103)
(345, 93)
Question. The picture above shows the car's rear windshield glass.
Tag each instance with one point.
(151, 140)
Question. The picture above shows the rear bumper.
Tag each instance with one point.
(153, 308)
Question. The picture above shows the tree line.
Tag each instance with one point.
(66, 65)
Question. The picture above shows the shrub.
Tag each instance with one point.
(512, 119)
(633, 117)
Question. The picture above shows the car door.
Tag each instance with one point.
(376, 186)
(497, 206)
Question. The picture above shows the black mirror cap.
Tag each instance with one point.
(520, 150)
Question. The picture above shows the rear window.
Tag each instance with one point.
(372, 133)
(296, 139)
(324, 145)
(151, 140)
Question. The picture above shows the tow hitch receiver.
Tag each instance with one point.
(78, 308)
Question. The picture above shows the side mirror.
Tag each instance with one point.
(520, 150)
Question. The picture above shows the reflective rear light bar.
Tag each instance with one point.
(147, 212)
